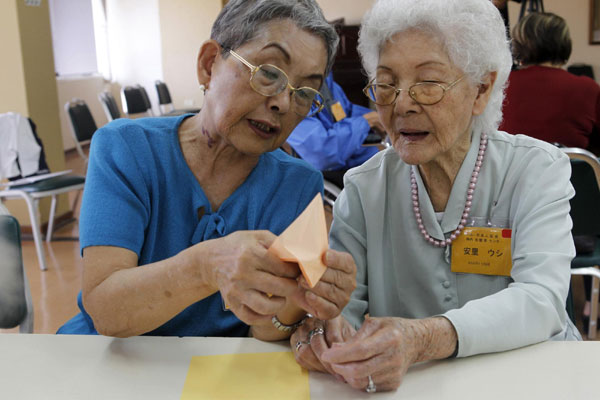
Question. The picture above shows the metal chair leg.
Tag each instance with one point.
(35, 228)
(75, 201)
(51, 219)
(592, 330)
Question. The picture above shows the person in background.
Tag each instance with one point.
(542, 99)
(178, 213)
(461, 233)
(548, 103)
(332, 140)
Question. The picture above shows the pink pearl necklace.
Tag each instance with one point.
(463, 221)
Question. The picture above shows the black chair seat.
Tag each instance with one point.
(53, 183)
(585, 260)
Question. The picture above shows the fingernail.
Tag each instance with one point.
(328, 257)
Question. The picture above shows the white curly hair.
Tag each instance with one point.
(472, 32)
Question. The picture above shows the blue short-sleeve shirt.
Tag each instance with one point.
(141, 195)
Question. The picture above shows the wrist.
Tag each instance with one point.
(439, 339)
(288, 327)
(198, 260)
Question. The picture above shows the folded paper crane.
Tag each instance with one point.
(305, 241)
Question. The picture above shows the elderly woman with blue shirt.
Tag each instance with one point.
(178, 213)
(461, 233)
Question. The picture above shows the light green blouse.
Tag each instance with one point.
(524, 184)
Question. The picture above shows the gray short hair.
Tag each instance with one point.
(540, 38)
(240, 21)
(472, 32)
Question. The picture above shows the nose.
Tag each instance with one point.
(405, 104)
(280, 103)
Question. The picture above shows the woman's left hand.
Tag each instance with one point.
(383, 349)
(331, 294)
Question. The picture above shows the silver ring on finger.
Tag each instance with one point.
(299, 344)
(371, 388)
(316, 331)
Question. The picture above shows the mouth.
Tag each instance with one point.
(413, 135)
(263, 128)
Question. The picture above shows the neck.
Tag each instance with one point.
(438, 175)
(218, 166)
(213, 154)
(546, 64)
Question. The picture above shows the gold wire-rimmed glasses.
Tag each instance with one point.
(424, 93)
(269, 80)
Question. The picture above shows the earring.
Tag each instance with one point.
(202, 87)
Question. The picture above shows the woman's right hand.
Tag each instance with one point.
(243, 270)
(308, 347)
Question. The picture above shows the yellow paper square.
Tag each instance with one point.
(261, 376)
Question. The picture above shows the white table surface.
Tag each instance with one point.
(97, 367)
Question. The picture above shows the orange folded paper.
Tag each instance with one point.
(305, 241)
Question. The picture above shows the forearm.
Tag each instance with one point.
(437, 338)
(133, 301)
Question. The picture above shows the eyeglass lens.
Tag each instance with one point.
(270, 81)
(423, 93)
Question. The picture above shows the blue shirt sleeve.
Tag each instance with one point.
(112, 176)
(330, 145)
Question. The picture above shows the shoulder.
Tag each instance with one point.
(522, 144)
(155, 124)
(135, 133)
(280, 161)
(376, 167)
(584, 83)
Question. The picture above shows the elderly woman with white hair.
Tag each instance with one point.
(461, 233)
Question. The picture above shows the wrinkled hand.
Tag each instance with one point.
(383, 348)
(244, 272)
(374, 122)
(331, 294)
(308, 355)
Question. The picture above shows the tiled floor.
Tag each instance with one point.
(54, 291)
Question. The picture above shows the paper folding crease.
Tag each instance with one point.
(305, 241)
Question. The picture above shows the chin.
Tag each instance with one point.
(411, 156)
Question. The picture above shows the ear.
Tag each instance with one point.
(209, 51)
(485, 90)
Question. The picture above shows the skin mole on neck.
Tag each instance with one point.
(206, 133)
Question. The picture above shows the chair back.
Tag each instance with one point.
(581, 69)
(16, 307)
(109, 105)
(136, 100)
(164, 97)
(585, 178)
(82, 123)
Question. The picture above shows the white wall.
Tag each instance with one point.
(184, 26)
(135, 44)
(73, 40)
(351, 10)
